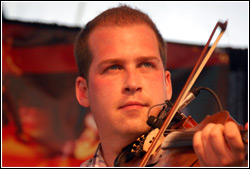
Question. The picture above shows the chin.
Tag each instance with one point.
(136, 129)
(133, 126)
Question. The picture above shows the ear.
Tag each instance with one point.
(82, 91)
(168, 85)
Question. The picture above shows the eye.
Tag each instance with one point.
(113, 68)
(146, 64)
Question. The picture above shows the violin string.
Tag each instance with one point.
(181, 139)
(185, 139)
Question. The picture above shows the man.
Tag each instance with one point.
(121, 60)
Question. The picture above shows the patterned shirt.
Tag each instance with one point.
(97, 160)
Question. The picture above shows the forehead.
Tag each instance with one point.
(126, 39)
(118, 29)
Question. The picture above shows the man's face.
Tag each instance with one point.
(126, 78)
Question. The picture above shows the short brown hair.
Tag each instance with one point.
(120, 16)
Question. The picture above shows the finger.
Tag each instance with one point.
(203, 147)
(198, 147)
(234, 140)
(211, 159)
(219, 145)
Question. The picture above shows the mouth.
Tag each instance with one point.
(133, 105)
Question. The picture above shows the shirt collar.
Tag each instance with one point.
(97, 160)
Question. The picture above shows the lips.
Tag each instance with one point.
(133, 104)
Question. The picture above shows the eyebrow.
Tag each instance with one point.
(109, 61)
(148, 58)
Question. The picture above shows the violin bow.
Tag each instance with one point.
(189, 83)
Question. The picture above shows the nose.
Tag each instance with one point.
(132, 83)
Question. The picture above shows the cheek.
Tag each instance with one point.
(101, 89)
(158, 82)
(103, 100)
(157, 87)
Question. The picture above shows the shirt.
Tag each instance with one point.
(97, 160)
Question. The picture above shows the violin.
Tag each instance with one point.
(169, 142)
(176, 144)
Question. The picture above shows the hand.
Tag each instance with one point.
(218, 145)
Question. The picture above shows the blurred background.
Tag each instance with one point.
(186, 22)
(42, 123)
